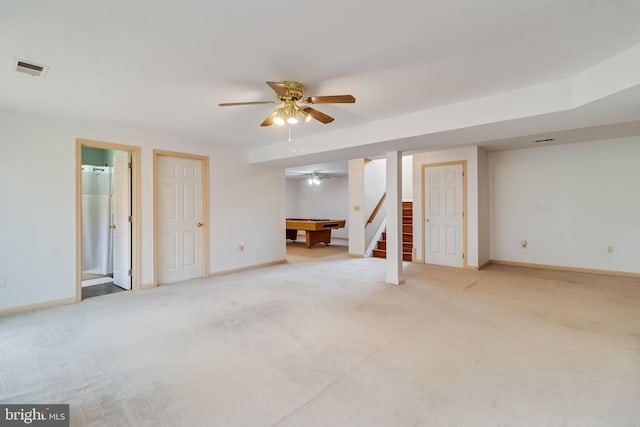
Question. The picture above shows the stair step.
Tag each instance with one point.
(406, 237)
(406, 246)
(377, 253)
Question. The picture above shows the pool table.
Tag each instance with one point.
(316, 230)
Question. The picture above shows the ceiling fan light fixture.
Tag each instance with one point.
(302, 115)
(286, 114)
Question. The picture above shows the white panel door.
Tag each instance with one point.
(444, 217)
(121, 199)
(180, 222)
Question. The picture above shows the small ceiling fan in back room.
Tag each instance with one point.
(294, 106)
(312, 178)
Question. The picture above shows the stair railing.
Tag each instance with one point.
(373, 215)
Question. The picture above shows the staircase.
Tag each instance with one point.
(407, 235)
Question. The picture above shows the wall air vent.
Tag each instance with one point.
(29, 67)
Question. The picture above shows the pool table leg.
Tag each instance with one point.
(292, 234)
(318, 236)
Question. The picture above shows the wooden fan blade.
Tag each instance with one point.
(332, 99)
(269, 120)
(318, 115)
(279, 88)
(230, 104)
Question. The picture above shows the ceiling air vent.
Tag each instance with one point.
(30, 68)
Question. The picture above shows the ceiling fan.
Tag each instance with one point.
(291, 111)
(313, 178)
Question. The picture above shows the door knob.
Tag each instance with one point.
(113, 226)
(200, 224)
(427, 220)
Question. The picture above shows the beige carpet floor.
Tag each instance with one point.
(330, 344)
(298, 251)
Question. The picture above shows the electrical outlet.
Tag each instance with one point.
(523, 244)
(610, 249)
(241, 246)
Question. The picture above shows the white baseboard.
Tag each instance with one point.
(565, 268)
(36, 306)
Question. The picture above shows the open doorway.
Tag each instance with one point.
(106, 195)
(317, 210)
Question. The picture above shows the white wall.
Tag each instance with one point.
(356, 202)
(375, 185)
(293, 198)
(37, 214)
(329, 200)
(470, 154)
(407, 178)
(569, 202)
(247, 204)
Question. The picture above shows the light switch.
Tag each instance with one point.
(356, 208)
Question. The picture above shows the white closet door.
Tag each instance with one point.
(444, 218)
(180, 222)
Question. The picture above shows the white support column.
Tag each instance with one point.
(356, 208)
(393, 205)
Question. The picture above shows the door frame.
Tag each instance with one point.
(135, 209)
(205, 207)
(464, 208)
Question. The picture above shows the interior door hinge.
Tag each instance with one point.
(462, 257)
(129, 273)
(129, 165)
(130, 219)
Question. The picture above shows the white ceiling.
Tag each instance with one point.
(165, 65)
